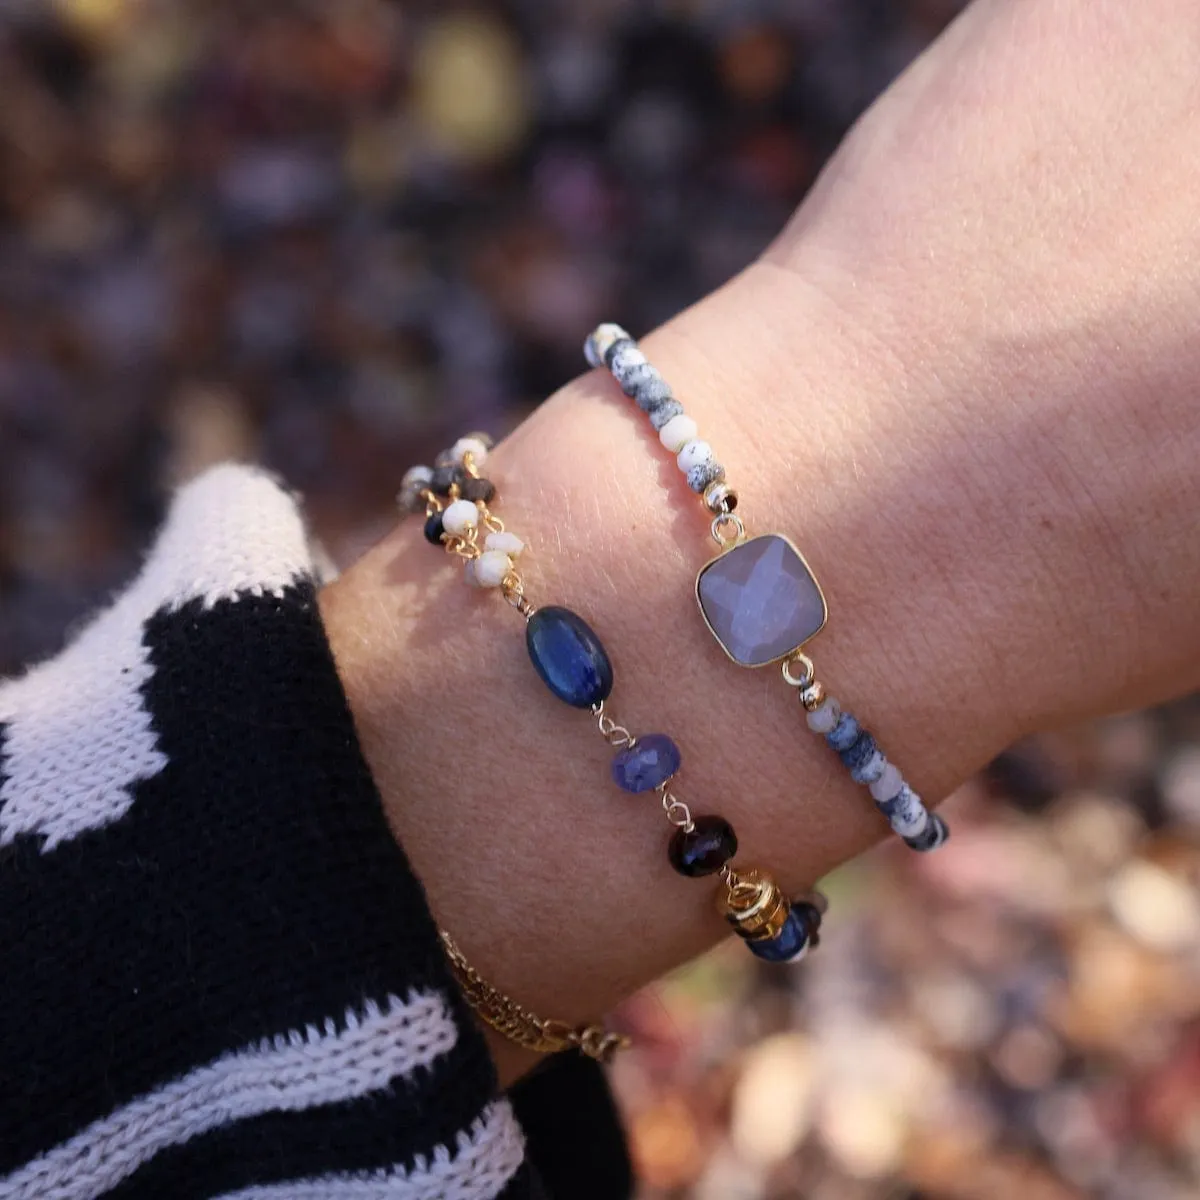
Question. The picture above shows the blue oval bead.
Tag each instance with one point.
(789, 945)
(569, 657)
(647, 764)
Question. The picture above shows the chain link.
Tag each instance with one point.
(723, 521)
(677, 812)
(617, 736)
(518, 1024)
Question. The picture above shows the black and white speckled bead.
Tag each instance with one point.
(860, 754)
(667, 411)
(905, 811)
(935, 834)
(701, 476)
(652, 392)
(617, 348)
(844, 734)
(629, 367)
(601, 341)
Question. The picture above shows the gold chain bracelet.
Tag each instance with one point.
(519, 1025)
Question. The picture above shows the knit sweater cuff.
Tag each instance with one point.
(220, 975)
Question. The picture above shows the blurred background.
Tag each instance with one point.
(330, 237)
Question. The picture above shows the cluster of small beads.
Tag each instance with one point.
(610, 346)
(456, 497)
(860, 754)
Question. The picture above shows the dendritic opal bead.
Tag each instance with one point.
(935, 834)
(823, 718)
(705, 475)
(790, 944)
(666, 412)
(844, 734)
(906, 812)
(704, 848)
(694, 453)
(601, 341)
(760, 600)
(568, 656)
(647, 764)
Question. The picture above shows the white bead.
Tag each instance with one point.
(505, 543)
(677, 432)
(887, 785)
(823, 719)
(472, 446)
(416, 478)
(694, 454)
(460, 516)
(492, 567)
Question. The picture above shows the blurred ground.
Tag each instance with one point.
(332, 236)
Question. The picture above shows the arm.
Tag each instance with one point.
(962, 381)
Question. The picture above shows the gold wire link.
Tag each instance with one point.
(518, 1024)
(677, 812)
(617, 736)
(513, 590)
(466, 547)
(723, 521)
(808, 671)
(493, 522)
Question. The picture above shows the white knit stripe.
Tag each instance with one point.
(483, 1160)
(79, 736)
(292, 1072)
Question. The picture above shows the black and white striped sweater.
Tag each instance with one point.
(218, 975)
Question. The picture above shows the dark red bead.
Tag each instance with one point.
(477, 490)
(704, 848)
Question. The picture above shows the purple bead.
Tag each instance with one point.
(760, 600)
(647, 764)
(704, 848)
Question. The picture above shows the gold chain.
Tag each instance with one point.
(519, 1025)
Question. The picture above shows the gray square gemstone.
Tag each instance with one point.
(760, 600)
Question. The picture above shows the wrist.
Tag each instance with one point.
(555, 883)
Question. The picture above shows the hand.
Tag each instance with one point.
(1010, 239)
(961, 381)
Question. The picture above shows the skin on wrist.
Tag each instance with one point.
(556, 884)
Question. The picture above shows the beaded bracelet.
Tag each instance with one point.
(759, 597)
(572, 662)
